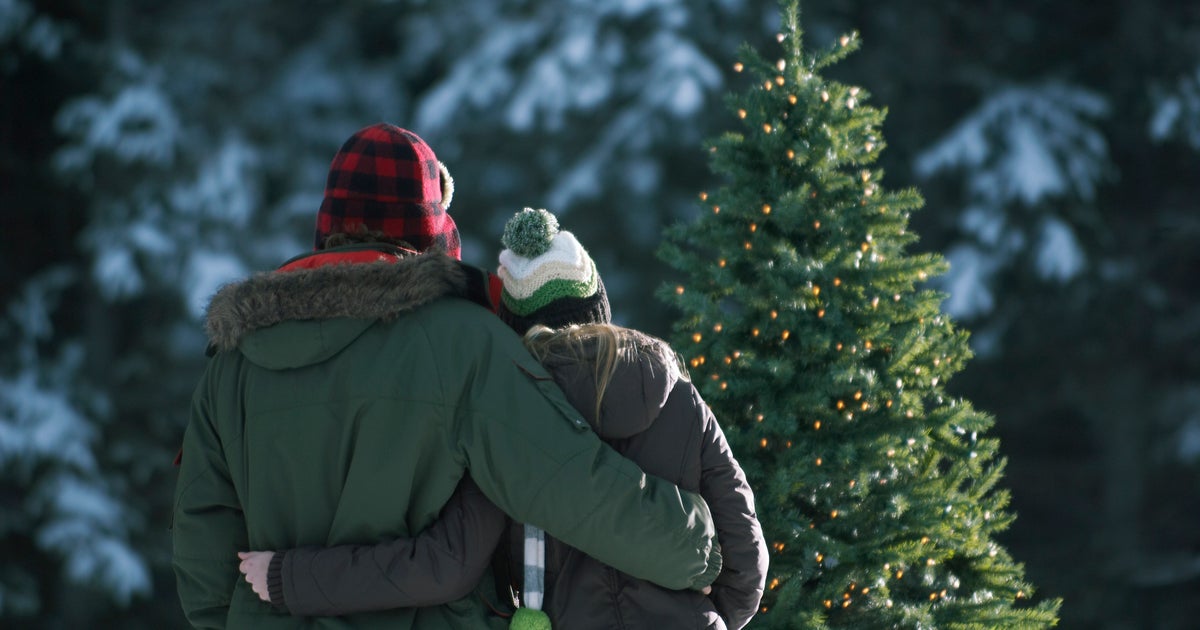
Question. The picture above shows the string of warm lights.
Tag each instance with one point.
(836, 384)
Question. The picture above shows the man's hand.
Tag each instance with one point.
(254, 566)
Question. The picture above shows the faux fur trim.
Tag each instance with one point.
(447, 186)
(380, 290)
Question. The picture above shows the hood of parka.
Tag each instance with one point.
(646, 372)
(288, 319)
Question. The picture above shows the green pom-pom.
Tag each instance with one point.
(529, 619)
(529, 233)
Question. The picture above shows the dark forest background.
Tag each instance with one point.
(150, 151)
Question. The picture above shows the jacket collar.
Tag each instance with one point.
(334, 289)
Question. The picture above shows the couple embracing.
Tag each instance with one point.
(386, 437)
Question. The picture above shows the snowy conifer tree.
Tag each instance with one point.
(59, 509)
(1031, 160)
(805, 326)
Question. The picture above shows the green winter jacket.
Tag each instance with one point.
(344, 404)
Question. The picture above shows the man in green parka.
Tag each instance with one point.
(352, 389)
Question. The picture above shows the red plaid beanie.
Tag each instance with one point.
(386, 178)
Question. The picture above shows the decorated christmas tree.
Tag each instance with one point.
(806, 327)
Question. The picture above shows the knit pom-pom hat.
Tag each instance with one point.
(548, 277)
(387, 179)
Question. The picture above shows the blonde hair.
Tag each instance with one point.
(601, 345)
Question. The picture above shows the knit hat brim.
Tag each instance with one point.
(562, 312)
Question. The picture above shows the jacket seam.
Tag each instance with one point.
(614, 585)
(441, 395)
(205, 472)
(439, 401)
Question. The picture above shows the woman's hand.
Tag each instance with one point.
(254, 566)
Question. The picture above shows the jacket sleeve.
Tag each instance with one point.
(441, 564)
(208, 526)
(536, 458)
(739, 589)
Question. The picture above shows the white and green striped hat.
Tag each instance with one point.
(548, 277)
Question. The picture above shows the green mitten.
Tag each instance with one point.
(529, 619)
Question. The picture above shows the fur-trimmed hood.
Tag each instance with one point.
(377, 290)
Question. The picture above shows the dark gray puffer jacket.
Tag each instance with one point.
(657, 419)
